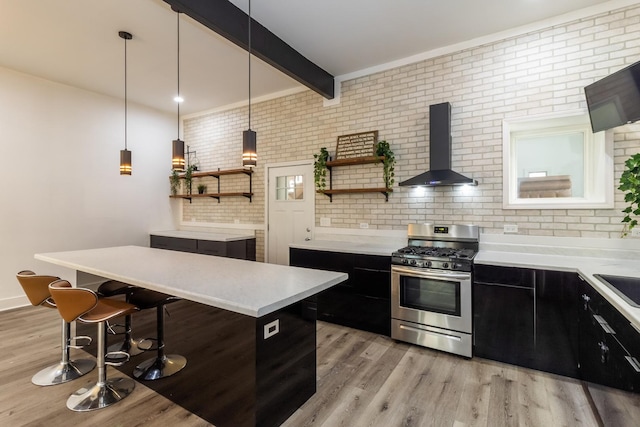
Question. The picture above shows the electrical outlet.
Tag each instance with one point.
(325, 222)
(510, 228)
(364, 225)
(635, 232)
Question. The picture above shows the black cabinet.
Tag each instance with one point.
(526, 317)
(364, 300)
(609, 344)
(240, 249)
(503, 311)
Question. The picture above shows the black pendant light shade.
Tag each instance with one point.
(125, 155)
(125, 162)
(249, 154)
(177, 161)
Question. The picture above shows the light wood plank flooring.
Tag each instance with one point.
(363, 380)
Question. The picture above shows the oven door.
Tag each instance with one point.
(438, 298)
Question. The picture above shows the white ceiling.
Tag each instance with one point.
(75, 42)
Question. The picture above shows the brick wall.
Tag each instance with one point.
(540, 72)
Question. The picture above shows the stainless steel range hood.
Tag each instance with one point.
(440, 172)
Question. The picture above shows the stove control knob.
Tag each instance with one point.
(413, 262)
(405, 261)
(445, 265)
(456, 266)
(427, 264)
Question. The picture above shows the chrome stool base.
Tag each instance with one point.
(63, 372)
(157, 368)
(100, 395)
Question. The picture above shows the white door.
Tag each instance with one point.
(290, 210)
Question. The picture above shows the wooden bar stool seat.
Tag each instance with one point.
(129, 345)
(84, 306)
(36, 288)
(163, 365)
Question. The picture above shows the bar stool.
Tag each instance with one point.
(83, 305)
(162, 365)
(112, 288)
(37, 290)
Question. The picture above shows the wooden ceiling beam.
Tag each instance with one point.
(230, 22)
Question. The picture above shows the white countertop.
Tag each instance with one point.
(585, 266)
(246, 287)
(204, 235)
(348, 247)
(599, 256)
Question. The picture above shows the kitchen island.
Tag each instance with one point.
(247, 329)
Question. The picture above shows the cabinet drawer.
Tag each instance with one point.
(511, 276)
(174, 243)
(208, 247)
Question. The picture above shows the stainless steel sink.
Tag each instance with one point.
(628, 288)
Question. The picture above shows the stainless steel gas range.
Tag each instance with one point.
(431, 281)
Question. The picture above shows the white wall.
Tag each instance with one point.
(61, 185)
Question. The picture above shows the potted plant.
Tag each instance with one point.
(202, 189)
(630, 184)
(188, 178)
(389, 162)
(320, 169)
(174, 181)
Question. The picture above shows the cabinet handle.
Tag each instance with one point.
(604, 352)
(634, 363)
(604, 325)
(585, 299)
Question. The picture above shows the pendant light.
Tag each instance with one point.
(249, 154)
(125, 155)
(177, 162)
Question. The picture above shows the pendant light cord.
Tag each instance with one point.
(178, 61)
(249, 64)
(125, 93)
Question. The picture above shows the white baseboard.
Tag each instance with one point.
(13, 302)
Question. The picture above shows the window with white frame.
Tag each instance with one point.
(556, 162)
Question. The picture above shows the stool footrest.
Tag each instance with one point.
(113, 358)
(88, 340)
(111, 328)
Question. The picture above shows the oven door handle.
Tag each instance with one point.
(431, 274)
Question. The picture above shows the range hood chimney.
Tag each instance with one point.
(440, 172)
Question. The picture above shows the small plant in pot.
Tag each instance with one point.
(174, 181)
(202, 189)
(389, 162)
(630, 184)
(320, 169)
(188, 178)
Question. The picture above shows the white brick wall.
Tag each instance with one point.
(539, 72)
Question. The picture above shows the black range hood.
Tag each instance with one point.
(440, 172)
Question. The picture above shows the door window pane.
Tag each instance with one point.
(290, 187)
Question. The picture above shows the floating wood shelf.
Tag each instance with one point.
(355, 161)
(383, 190)
(213, 195)
(351, 162)
(217, 174)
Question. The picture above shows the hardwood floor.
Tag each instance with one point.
(363, 380)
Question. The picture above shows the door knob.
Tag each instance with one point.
(306, 239)
(308, 230)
